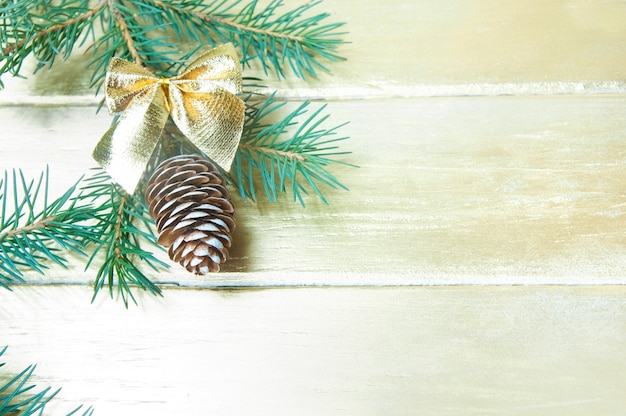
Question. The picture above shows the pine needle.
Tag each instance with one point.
(19, 396)
(123, 225)
(282, 151)
(35, 230)
(150, 32)
(289, 154)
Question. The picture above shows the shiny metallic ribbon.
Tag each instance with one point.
(201, 100)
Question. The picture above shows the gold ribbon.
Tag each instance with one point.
(201, 100)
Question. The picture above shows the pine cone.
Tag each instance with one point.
(188, 199)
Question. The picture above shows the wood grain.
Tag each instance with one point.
(343, 351)
(403, 48)
(481, 249)
(449, 190)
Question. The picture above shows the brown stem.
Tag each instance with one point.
(9, 49)
(74, 20)
(288, 155)
(239, 26)
(42, 223)
(117, 231)
(12, 47)
(213, 18)
(130, 42)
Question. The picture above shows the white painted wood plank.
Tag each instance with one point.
(395, 351)
(497, 190)
(449, 190)
(408, 48)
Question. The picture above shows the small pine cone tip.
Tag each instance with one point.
(188, 199)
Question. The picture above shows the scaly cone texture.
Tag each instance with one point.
(188, 199)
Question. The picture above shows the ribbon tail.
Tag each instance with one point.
(126, 148)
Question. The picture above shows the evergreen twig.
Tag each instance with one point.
(289, 154)
(149, 32)
(35, 230)
(290, 39)
(123, 224)
(18, 396)
(294, 164)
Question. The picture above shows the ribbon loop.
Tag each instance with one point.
(201, 100)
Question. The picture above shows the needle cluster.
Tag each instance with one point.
(35, 230)
(282, 150)
(288, 153)
(18, 396)
(123, 225)
(93, 216)
(152, 33)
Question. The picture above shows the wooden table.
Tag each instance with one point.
(476, 266)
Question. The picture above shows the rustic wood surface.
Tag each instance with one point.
(340, 351)
(471, 190)
(490, 140)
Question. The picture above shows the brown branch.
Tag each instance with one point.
(43, 223)
(241, 27)
(217, 19)
(9, 49)
(130, 42)
(74, 20)
(59, 26)
(117, 231)
(288, 155)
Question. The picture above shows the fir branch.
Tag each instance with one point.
(42, 29)
(18, 396)
(276, 40)
(36, 230)
(125, 32)
(296, 164)
(288, 151)
(123, 224)
(150, 32)
(290, 155)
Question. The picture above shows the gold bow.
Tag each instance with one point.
(201, 100)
